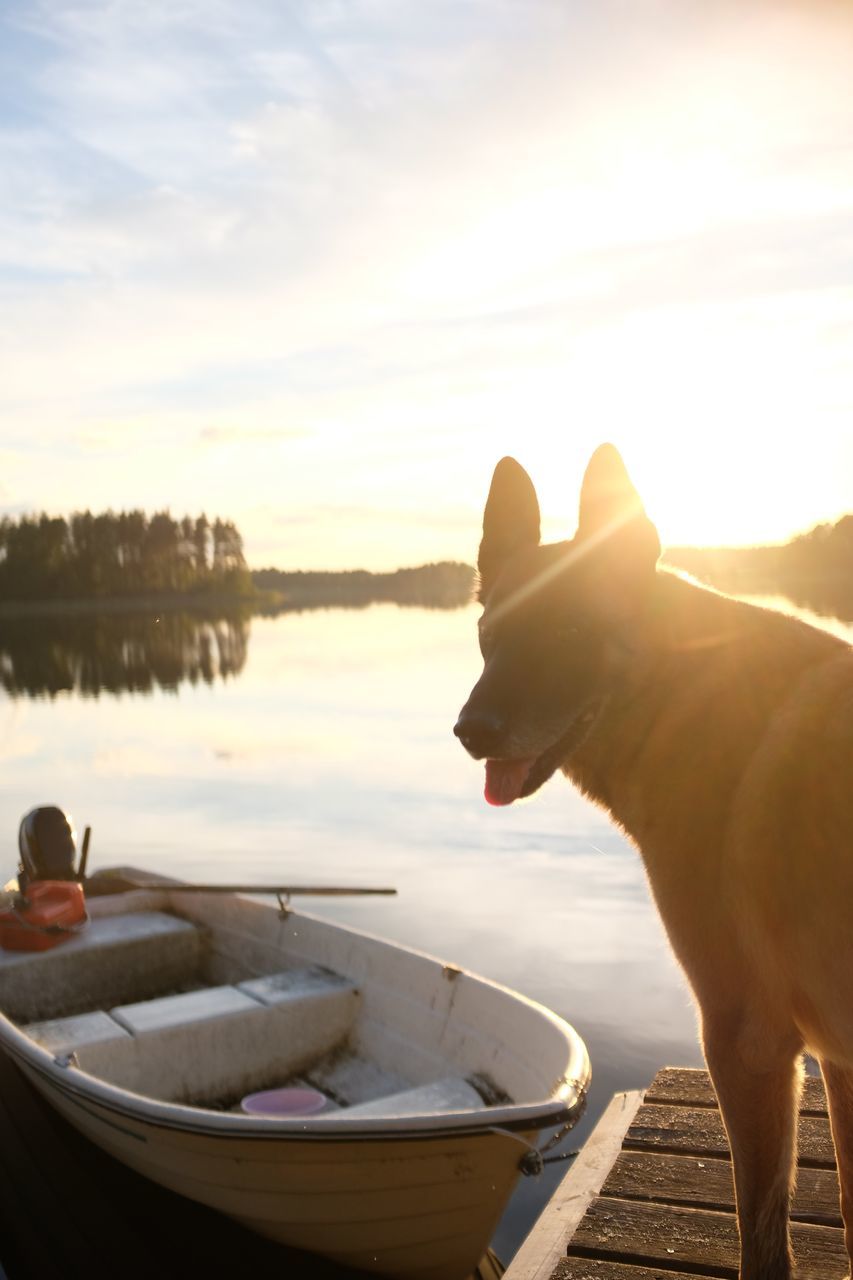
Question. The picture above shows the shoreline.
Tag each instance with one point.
(307, 590)
(162, 603)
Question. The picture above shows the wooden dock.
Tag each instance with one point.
(651, 1195)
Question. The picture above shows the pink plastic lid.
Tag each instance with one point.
(284, 1102)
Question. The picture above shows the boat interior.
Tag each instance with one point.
(202, 1004)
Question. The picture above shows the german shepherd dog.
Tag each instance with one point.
(719, 736)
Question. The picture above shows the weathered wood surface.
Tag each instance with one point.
(607, 1269)
(690, 1087)
(666, 1207)
(692, 1129)
(707, 1183)
(669, 1236)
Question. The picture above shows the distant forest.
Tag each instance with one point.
(438, 586)
(129, 555)
(119, 554)
(824, 554)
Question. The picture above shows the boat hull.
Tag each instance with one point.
(413, 1207)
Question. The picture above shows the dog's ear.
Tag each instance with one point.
(612, 514)
(510, 521)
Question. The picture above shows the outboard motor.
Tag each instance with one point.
(46, 843)
(49, 906)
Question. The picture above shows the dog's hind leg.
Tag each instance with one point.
(839, 1095)
(758, 1100)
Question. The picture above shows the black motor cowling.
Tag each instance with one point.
(46, 843)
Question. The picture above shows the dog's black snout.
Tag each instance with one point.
(480, 732)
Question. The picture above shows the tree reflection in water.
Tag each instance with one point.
(139, 651)
(94, 654)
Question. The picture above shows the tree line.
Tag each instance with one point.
(119, 554)
(822, 555)
(445, 585)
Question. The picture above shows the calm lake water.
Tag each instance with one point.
(318, 746)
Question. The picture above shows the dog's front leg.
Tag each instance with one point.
(758, 1096)
(839, 1094)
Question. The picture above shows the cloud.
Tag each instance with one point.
(312, 251)
(243, 435)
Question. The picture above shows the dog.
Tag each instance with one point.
(719, 737)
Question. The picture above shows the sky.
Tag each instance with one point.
(315, 265)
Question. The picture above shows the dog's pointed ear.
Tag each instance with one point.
(510, 521)
(611, 513)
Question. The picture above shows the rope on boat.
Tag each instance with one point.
(533, 1162)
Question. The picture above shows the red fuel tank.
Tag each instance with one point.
(50, 912)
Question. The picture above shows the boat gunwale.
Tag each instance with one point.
(77, 1084)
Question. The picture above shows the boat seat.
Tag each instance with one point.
(183, 1011)
(67, 1035)
(205, 1046)
(293, 984)
(115, 959)
(451, 1094)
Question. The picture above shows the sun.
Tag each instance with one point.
(713, 427)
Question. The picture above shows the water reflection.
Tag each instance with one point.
(331, 757)
(94, 654)
(831, 598)
(823, 598)
(91, 653)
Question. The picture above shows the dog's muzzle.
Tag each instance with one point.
(480, 733)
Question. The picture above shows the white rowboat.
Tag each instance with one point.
(147, 1029)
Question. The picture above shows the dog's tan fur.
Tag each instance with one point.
(720, 738)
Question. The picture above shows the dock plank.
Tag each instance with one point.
(699, 1130)
(607, 1269)
(707, 1183)
(674, 1238)
(691, 1087)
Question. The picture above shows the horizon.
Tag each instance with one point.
(316, 270)
(339, 570)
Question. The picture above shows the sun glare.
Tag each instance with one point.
(716, 490)
(711, 411)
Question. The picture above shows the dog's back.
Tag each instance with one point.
(727, 754)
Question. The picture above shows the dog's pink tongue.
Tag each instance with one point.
(504, 780)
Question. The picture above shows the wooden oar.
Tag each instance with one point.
(107, 883)
(286, 890)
